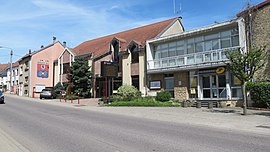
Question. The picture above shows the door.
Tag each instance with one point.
(213, 86)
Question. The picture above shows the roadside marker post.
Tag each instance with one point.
(78, 98)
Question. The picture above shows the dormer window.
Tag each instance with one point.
(115, 45)
(134, 50)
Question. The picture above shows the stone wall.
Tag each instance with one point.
(260, 37)
(181, 85)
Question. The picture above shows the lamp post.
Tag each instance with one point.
(11, 53)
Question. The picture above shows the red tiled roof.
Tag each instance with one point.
(15, 64)
(3, 66)
(141, 34)
(254, 8)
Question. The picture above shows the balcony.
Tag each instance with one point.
(190, 60)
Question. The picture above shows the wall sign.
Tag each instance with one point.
(155, 84)
(43, 69)
(220, 70)
(109, 69)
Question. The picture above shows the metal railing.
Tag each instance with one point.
(190, 59)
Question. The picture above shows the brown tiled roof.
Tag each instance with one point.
(3, 66)
(141, 34)
(15, 64)
(254, 8)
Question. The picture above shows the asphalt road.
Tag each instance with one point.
(47, 128)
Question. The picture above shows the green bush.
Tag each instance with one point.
(144, 102)
(163, 96)
(128, 92)
(260, 93)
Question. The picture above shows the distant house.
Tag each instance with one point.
(3, 76)
(14, 81)
(36, 70)
(119, 58)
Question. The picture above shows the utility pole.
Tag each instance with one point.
(11, 71)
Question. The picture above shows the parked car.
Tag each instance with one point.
(2, 98)
(47, 94)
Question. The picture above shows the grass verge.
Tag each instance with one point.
(138, 103)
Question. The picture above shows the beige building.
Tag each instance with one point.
(119, 58)
(191, 65)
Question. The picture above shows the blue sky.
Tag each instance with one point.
(28, 24)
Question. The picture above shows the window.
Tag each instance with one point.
(66, 68)
(134, 54)
(225, 43)
(115, 45)
(199, 47)
(190, 48)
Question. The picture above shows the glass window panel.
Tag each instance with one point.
(190, 60)
(180, 43)
(214, 81)
(212, 36)
(190, 48)
(215, 44)
(164, 54)
(190, 41)
(236, 92)
(172, 44)
(225, 43)
(169, 83)
(234, 31)
(180, 50)
(199, 39)
(235, 40)
(222, 93)
(157, 55)
(214, 93)
(208, 45)
(206, 81)
(225, 34)
(164, 46)
(199, 47)
(235, 81)
(194, 82)
(172, 52)
(221, 81)
(206, 93)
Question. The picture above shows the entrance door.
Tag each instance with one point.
(213, 86)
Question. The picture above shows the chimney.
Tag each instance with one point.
(65, 44)
(41, 46)
(54, 39)
(30, 51)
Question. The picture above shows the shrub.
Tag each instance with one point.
(163, 96)
(260, 93)
(128, 92)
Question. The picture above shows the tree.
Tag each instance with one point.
(80, 77)
(243, 65)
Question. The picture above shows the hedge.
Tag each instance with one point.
(260, 93)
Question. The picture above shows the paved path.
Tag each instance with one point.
(227, 121)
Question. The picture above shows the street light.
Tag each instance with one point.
(11, 53)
